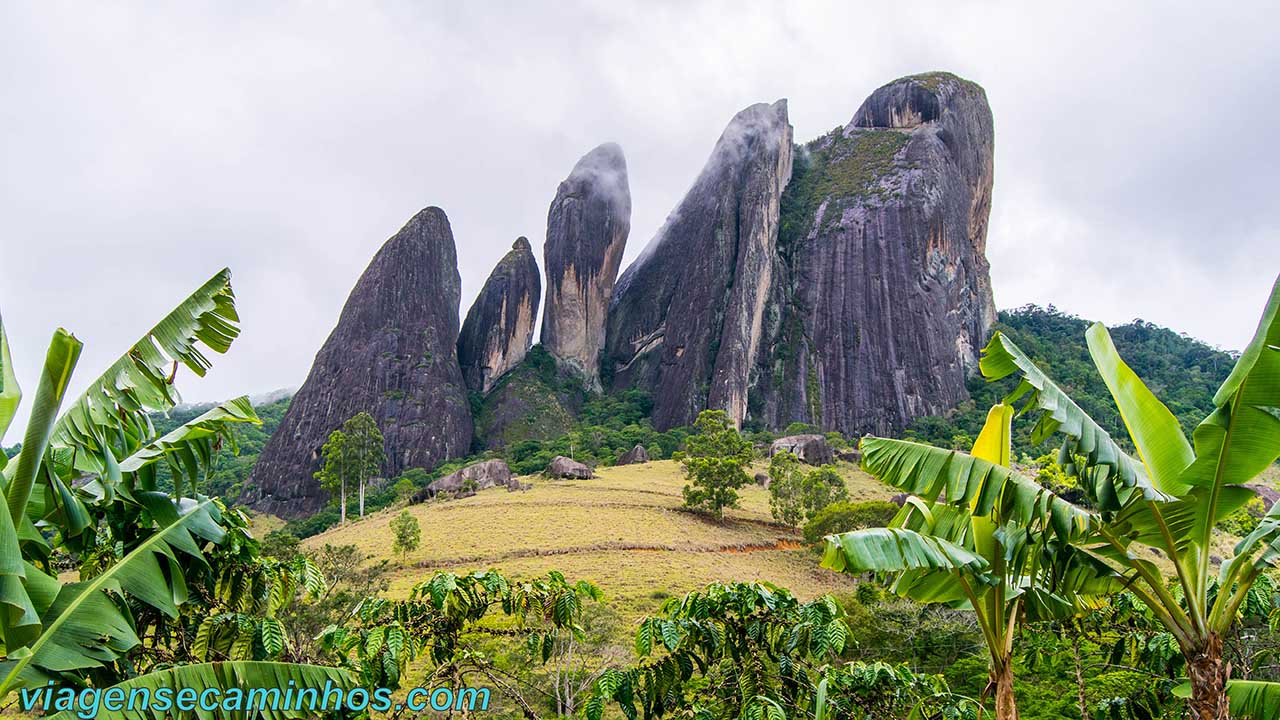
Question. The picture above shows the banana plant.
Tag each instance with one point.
(977, 535)
(1170, 497)
(86, 477)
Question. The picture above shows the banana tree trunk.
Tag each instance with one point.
(1208, 675)
(1001, 678)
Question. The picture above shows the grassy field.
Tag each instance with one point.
(624, 531)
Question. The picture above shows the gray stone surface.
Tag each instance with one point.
(499, 327)
(810, 449)
(563, 468)
(587, 228)
(635, 455)
(468, 480)
(886, 299)
(686, 321)
(391, 355)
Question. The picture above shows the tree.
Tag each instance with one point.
(404, 489)
(407, 533)
(785, 489)
(367, 450)
(796, 494)
(1170, 497)
(975, 551)
(715, 461)
(88, 476)
(333, 474)
(352, 454)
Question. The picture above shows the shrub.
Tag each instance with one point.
(715, 464)
(846, 516)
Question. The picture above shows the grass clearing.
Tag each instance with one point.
(624, 530)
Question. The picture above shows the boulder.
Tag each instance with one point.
(499, 327)
(468, 480)
(688, 316)
(637, 454)
(763, 480)
(810, 449)
(587, 228)
(850, 456)
(392, 355)
(563, 468)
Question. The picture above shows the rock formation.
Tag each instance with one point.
(499, 326)
(634, 456)
(886, 297)
(392, 355)
(687, 317)
(478, 476)
(587, 229)
(563, 468)
(810, 449)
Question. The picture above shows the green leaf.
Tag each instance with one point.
(59, 363)
(896, 550)
(1120, 474)
(110, 417)
(10, 393)
(1250, 699)
(85, 627)
(1164, 450)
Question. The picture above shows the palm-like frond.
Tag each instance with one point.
(264, 679)
(110, 417)
(1112, 473)
(954, 478)
(83, 624)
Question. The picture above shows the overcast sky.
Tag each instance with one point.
(143, 147)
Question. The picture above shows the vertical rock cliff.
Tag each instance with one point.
(686, 320)
(587, 229)
(392, 355)
(885, 299)
(499, 326)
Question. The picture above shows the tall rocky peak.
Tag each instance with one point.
(587, 228)
(687, 318)
(499, 326)
(886, 295)
(392, 355)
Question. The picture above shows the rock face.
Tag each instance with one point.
(392, 355)
(634, 456)
(564, 468)
(468, 480)
(886, 295)
(587, 228)
(499, 327)
(810, 449)
(687, 318)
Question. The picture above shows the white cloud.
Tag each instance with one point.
(147, 146)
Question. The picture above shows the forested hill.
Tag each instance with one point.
(1182, 371)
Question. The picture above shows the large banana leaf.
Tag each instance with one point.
(898, 550)
(1250, 699)
(190, 449)
(1113, 474)
(1156, 433)
(59, 363)
(10, 393)
(233, 683)
(952, 477)
(84, 625)
(1241, 437)
(109, 421)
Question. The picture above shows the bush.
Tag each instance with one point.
(846, 516)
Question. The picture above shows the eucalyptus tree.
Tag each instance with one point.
(85, 478)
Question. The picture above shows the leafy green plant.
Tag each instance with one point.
(715, 461)
(85, 482)
(841, 517)
(406, 532)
